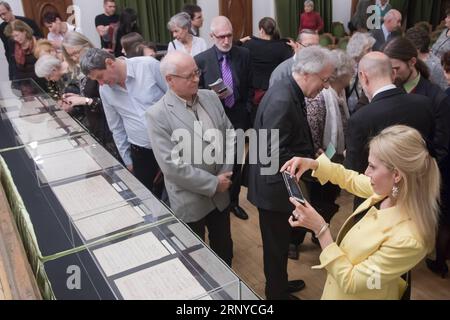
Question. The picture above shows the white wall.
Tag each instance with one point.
(210, 9)
(17, 8)
(261, 9)
(90, 9)
(341, 11)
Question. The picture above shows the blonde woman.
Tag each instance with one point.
(74, 46)
(391, 232)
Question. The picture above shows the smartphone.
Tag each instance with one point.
(293, 187)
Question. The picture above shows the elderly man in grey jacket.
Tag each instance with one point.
(193, 142)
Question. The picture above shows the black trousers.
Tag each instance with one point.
(219, 233)
(145, 167)
(239, 117)
(276, 234)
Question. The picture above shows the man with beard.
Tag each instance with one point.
(388, 106)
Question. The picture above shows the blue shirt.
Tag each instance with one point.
(125, 108)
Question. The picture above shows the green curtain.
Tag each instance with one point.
(288, 15)
(419, 10)
(153, 16)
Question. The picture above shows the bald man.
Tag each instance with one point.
(198, 191)
(389, 29)
(232, 64)
(388, 106)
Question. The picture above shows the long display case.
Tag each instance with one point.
(90, 228)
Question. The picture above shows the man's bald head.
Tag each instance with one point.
(376, 65)
(222, 33)
(392, 20)
(220, 22)
(174, 62)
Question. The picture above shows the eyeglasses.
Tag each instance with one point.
(324, 81)
(196, 74)
(223, 37)
(306, 46)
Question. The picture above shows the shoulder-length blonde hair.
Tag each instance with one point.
(19, 25)
(403, 148)
(75, 40)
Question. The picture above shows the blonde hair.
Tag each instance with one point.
(403, 148)
(20, 26)
(74, 39)
(43, 46)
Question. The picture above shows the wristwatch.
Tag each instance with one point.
(87, 101)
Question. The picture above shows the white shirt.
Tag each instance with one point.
(385, 32)
(198, 46)
(125, 108)
(59, 37)
(383, 89)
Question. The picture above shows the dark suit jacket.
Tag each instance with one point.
(208, 63)
(388, 108)
(283, 109)
(441, 113)
(380, 40)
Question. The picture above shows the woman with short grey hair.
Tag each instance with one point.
(359, 45)
(51, 68)
(336, 102)
(180, 27)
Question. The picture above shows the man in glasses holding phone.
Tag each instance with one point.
(283, 108)
(232, 65)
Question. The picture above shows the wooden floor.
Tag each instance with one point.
(248, 258)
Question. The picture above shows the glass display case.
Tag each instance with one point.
(100, 233)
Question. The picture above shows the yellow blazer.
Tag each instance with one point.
(369, 257)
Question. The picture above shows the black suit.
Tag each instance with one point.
(440, 104)
(7, 45)
(388, 108)
(208, 63)
(380, 39)
(283, 109)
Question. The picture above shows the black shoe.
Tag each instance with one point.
(296, 286)
(239, 212)
(292, 297)
(438, 269)
(293, 252)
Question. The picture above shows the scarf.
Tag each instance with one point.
(20, 53)
(334, 127)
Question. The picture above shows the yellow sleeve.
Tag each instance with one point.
(394, 258)
(351, 181)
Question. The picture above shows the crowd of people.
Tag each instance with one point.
(382, 105)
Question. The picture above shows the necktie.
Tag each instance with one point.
(227, 76)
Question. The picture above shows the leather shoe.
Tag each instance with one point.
(296, 285)
(292, 297)
(293, 252)
(239, 212)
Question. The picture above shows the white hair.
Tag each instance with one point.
(309, 3)
(45, 65)
(312, 60)
(169, 64)
(344, 65)
(357, 43)
(181, 20)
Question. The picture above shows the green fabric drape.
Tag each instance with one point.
(419, 10)
(153, 16)
(288, 15)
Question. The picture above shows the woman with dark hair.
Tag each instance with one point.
(128, 41)
(267, 52)
(421, 40)
(408, 69)
(127, 24)
(442, 44)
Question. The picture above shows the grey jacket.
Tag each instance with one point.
(191, 187)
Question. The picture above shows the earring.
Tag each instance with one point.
(395, 191)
